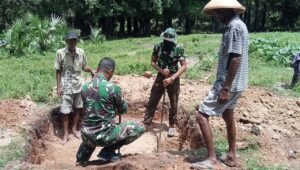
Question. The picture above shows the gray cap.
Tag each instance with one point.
(71, 35)
(2, 43)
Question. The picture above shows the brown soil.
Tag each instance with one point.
(272, 120)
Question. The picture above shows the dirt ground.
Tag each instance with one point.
(273, 121)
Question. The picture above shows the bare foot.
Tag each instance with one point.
(65, 139)
(76, 133)
(229, 161)
(207, 164)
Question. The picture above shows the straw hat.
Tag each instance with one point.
(212, 5)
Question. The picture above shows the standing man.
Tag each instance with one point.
(231, 79)
(165, 58)
(69, 63)
(296, 66)
(102, 102)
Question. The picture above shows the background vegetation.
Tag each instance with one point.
(35, 29)
(118, 18)
(33, 73)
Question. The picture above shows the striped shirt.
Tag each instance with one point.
(234, 40)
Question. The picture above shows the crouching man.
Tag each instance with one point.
(102, 100)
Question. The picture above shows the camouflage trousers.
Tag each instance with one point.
(157, 92)
(121, 134)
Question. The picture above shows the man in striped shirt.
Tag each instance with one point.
(231, 80)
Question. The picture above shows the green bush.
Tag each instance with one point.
(273, 50)
(96, 36)
(31, 34)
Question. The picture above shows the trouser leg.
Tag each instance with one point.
(295, 79)
(173, 93)
(155, 96)
(84, 153)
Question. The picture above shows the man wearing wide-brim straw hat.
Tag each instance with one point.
(231, 80)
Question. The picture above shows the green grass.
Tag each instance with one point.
(11, 152)
(252, 158)
(34, 74)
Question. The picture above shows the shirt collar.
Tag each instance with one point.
(235, 17)
(101, 76)
(67, 50)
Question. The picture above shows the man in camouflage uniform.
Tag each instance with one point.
(165, 58)
(69, 63)
(102, 101)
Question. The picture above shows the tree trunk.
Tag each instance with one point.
(147, 27)
(248, 14)
(156, 26)
(3, 19)
(103, 24)
(122, 25)
(256, 15)
(264, 16)
(129, 26)
(216, 27)
(141, 27)
(167, 19)
(112, 26)
(135, 26)
(188, 25)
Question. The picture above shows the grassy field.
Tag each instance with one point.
(34, 74)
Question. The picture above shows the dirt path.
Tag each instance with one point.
(273, 121)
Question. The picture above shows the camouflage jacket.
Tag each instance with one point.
(101, 101)
(168, 60)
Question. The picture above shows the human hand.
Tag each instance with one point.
(166, 72)
(93, 73)
(168, 81)
(223, 95)
(59, 90)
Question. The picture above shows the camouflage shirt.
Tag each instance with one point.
(70, 69)
(168, 60)
(101, 101)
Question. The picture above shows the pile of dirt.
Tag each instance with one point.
(273, 120)
(14, 112)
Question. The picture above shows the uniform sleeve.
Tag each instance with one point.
(155, 50)
(84, 60)
(235, 43)
(120, 104)
(180, 53)
(58, 62)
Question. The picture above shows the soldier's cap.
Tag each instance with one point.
(2, 43)
(211, 6)
(169, 34)
(71, 35)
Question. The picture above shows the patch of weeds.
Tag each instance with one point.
(220, 142)
(297, 88)
(253, 159)
(256, 163)
(11, 152)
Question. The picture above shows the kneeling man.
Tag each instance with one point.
(102, 100)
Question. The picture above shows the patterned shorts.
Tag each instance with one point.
(212, 107)
(69, 101)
